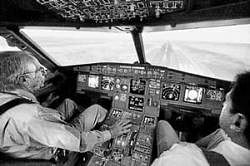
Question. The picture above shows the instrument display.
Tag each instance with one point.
(107, 83)
(136, 103)
(93, 81)
(82, 78)
(193, 94)
(214, 95)
(137, 86)
(171, 91)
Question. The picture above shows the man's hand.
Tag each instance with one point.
(120, 127)
(50, 99)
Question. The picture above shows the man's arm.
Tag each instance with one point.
(63, 136)
(212, 140)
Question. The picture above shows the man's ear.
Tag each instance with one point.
(239, 122)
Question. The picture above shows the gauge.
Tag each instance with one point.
(193, 94)
(93, 81)
(215, 95)
(170, 91)
(137, 86)
(107, 83)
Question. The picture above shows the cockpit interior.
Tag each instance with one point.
(115, 53)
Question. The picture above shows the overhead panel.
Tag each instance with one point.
(108, 11)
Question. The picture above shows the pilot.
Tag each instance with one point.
(30, 130)
(229, 145)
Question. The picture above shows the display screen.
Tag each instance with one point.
(215, 95)
(138, 86)
(116, 113)
(149, 120)
(93, 81)
(193, 94)
(82, 78)
(136, 103)
(107, 83)
(170, 91)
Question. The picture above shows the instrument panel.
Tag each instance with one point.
(167, 86)
(138, 92)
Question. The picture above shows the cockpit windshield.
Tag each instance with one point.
(214, 52)
(218, 52)
(73, 47)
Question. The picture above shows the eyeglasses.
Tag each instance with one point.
(40, 69)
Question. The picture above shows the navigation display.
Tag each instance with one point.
(193, 94)
(93, 81)
(138, 86)
(171, 91)
(136, 103)
(107, 83)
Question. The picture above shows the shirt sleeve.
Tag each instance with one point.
(89, 139)
(63, 136)
(180, 154)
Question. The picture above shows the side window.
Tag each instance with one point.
(5, 47)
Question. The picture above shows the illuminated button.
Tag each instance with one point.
(123, 97)
(118, 86)
(123, 143)
(124, 87)
(118, 81)
(116, 97)
(147, 140)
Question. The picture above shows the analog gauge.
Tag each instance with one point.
(170, 91)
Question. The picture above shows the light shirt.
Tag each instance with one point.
(182, 154)
(33, 131)
(189, 154)
(235, 154)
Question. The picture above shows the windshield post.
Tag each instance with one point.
(138, 42)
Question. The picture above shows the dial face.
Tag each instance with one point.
(170, 91)
(107, 83)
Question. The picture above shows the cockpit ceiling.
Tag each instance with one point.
(112, 10)
(89, 13)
